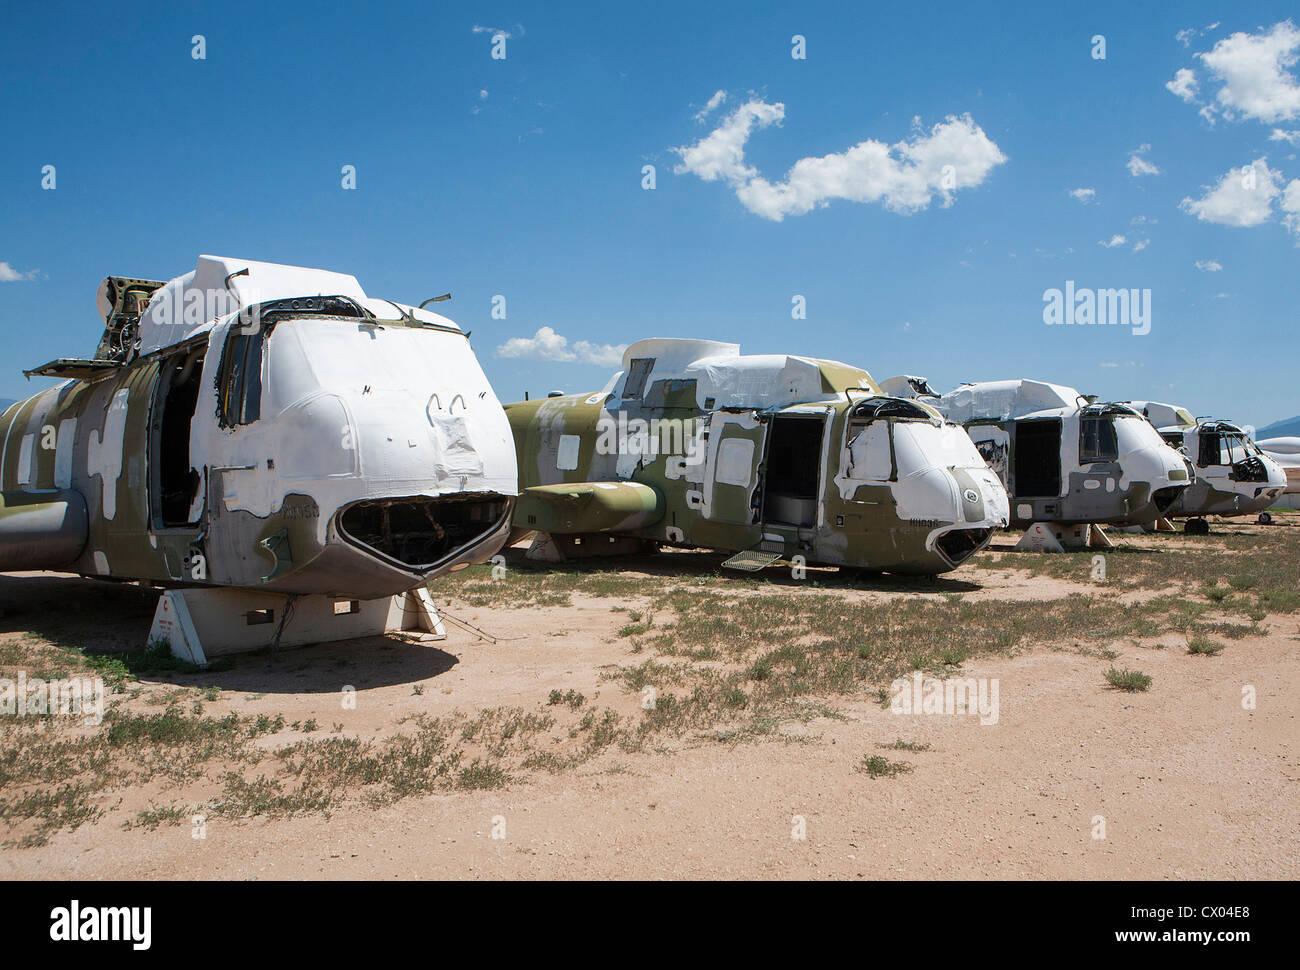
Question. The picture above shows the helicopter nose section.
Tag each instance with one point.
(1276, 473)
(426, 535)
(440, 480)
(984, 501)
(368, 496)
(982, 507)
(1156, 477)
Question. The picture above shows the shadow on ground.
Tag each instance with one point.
(113, 619)
(671, 563)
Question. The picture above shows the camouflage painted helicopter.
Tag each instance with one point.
(1233, 475)
(1067, 460)
(264, 428)
(692, 444)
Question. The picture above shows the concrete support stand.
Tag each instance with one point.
(1056, 537)
(201, 624)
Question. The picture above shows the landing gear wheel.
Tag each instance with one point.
(1265, 518)
(1197, 527)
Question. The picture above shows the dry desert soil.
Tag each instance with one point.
(659, 717)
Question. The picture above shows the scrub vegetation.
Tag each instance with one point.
(708, 657)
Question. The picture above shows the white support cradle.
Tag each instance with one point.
(200, 624)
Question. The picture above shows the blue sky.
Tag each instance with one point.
(522, 177)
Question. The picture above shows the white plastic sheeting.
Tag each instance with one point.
(405, 408)
(1003, 400)
(1164, 415)
(731, 379)
(193, 302)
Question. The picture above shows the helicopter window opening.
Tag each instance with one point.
(1038, 459)
(177, 482)
(239, 383)
(1209, 449)
(421, 532)
(1229, 450)
(1097, 440)
(637, 373)
(871, 456)
(1173, 439)
(793, 470)
(889, 407)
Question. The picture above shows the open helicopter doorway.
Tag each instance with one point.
(174, 484)
(1037, 458)
(792, 483)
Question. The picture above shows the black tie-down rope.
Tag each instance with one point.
(284, 619)
(481, 634)
(292, 598)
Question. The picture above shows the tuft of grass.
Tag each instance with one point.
(1129, 680)
(482, 775)
(1204, 646)
(901, 745)
(878, 766)
(569, 698)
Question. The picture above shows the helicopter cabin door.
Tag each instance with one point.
(731, 476)
(177, 490)
(793, 477)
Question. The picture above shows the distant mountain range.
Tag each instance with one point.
(1280, 429)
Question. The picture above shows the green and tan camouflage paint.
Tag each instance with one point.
(863, 530)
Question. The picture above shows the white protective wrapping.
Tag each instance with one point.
(1164, 416)
(1004, 400)
(193, 302)
(732, 379)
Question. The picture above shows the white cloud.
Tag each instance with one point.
(1292, 136)
(483, 93)
(10, 275)
(546, 344)
(1291, 206)
(1140, 245)
(1189, 34)
(721, 153)
(1254, 71)
(1083, 195)
(719, 96)
(905, 177)
(1241, 197)
(1115, 240)
(1184, 84)
(518, 28)
(1137, 165)
(1209, 265)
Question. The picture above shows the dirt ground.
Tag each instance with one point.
(1074, 780)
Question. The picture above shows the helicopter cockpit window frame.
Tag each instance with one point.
(239, 378)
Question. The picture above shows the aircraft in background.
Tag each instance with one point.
(1285, 450)
(768, 456)
(1065, 459)
(263, 428)
(1233, 476)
